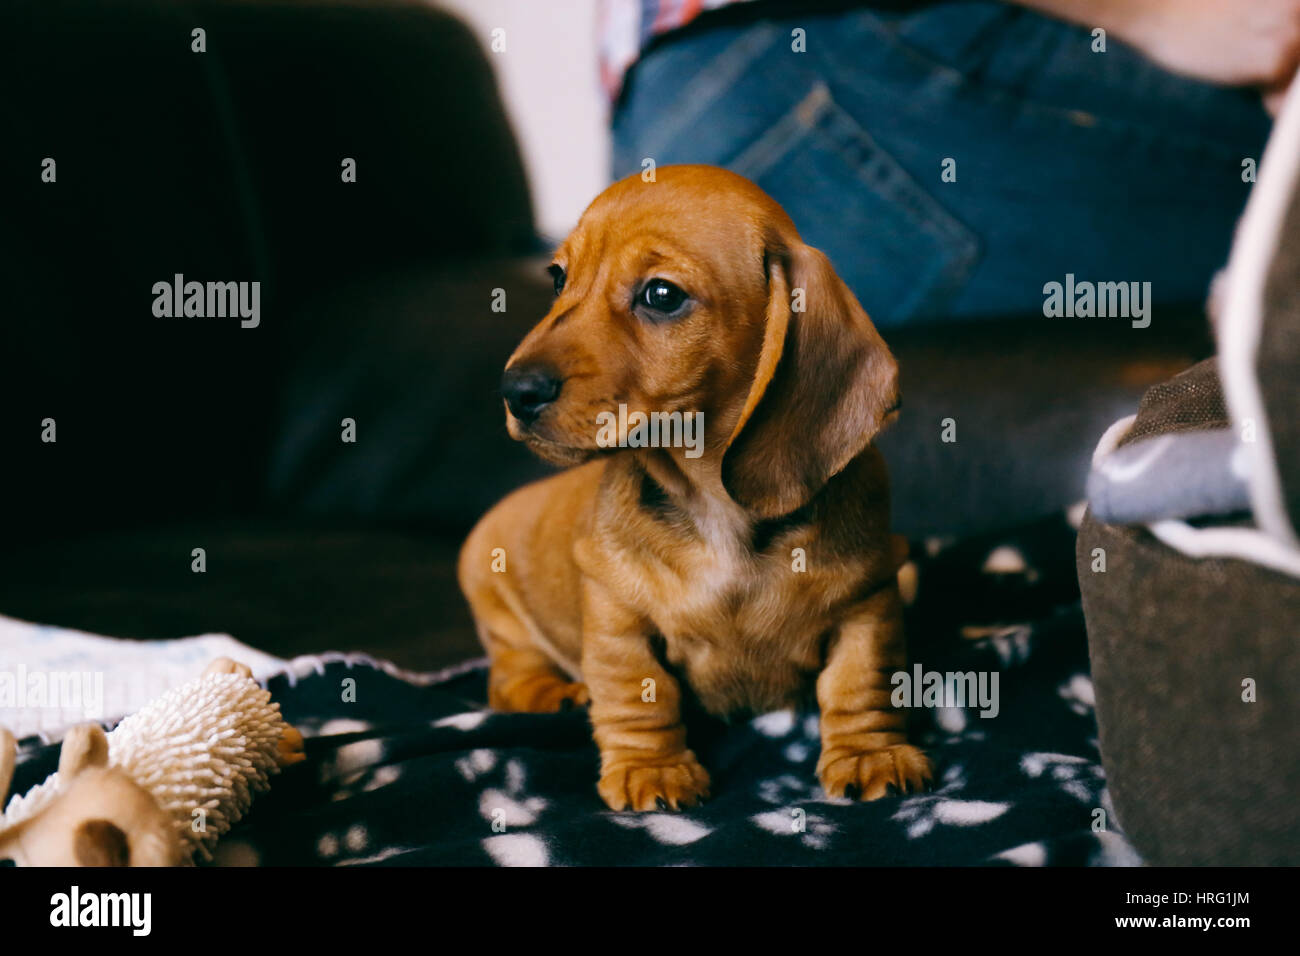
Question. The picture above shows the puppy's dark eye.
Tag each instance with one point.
(660, 295)
(557, 276)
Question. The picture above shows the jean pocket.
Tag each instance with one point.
(901, 252)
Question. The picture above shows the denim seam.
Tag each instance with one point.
(892, 181)
(698, 96)
(818, 115)
(763, 153)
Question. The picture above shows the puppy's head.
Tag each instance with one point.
(694, 294)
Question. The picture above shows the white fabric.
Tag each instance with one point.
(131, 673)
(1239, 328)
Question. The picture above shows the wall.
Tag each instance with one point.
(549, 82)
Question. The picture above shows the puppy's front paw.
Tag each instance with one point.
(676, 782)
(870, 773)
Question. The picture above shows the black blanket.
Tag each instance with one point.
(413, 770)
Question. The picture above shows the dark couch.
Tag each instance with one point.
(182, 433)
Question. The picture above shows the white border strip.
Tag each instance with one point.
(1243, 544)
(1111, 438)
(307, 664)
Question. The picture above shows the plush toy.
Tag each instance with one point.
(165, 784)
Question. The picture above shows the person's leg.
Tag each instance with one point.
(1065, 161)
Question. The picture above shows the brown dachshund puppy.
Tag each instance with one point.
(744, 569)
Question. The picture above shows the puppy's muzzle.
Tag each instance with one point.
(528, 389)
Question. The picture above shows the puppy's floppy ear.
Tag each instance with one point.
(824, 385)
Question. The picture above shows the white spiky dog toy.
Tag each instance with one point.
(164, 785)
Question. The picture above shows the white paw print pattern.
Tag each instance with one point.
(1111, 850)
(330, 726)
(1008, 559)
(509, 803)
(1077, 776)
(517, 849)
(813, 830)
(1027, 854)
(804, 734)
(476, 763)
(345, 848)
(357, 767)
(506, 803)
(1079, 694)
(1004, 559)
(787, 788)
(670, 829)
(953, 725)
(778, 723)
(798, 752)
(364, 781)
(468, 720)
(923, 812)
(789, 792)
(512, 812)
(1011, 642)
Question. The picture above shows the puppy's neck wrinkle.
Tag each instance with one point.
(655, 500)
(673, 483)
(767, 530)
(668, 492)
(692, 490)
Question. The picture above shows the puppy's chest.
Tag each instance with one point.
(743, 649)
(746, 629)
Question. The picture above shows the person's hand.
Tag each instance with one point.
(1249, 43)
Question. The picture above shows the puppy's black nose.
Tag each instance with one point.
(528, 390)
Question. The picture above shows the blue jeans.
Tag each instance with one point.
(1066, 161)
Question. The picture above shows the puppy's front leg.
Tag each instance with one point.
(864, 742)
(644, 762)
